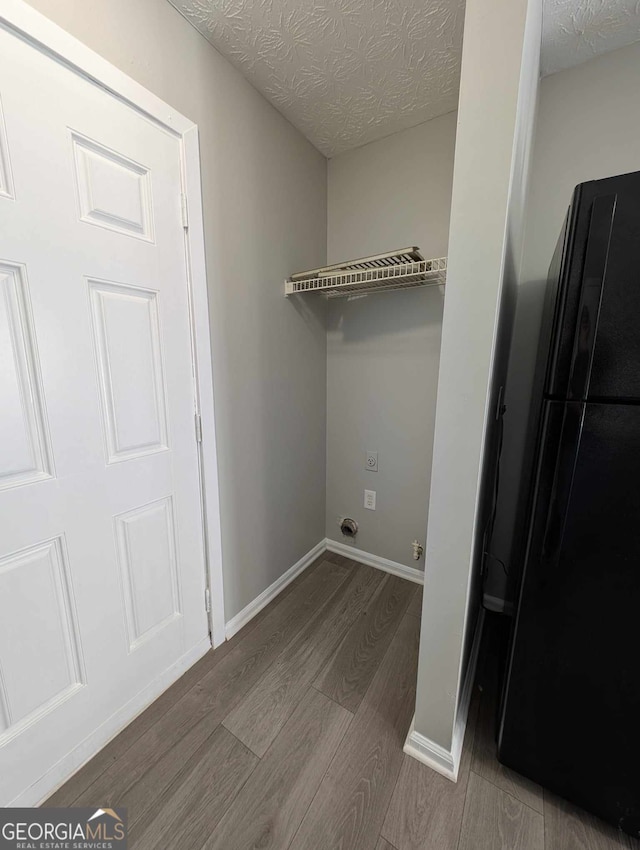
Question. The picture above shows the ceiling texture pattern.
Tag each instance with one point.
(344, 72)
(577, 30)
(347, 72)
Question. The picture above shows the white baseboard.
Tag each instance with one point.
(376, 561)
(428, 752)
(249, 612)
(80, 755)
(443, 761)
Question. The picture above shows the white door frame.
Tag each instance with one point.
(18, 17)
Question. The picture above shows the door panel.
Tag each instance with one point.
(101, 540)
(129, 360)
(25, 455)
(113, 191)
(149, 565)
(6, 181)
(45, 665)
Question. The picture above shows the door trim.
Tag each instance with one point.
(43, 35)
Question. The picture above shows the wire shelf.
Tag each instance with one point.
(397, 270)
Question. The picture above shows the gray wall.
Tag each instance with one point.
(500, 62)
(383, 350)
(588, 127)
(264, 192)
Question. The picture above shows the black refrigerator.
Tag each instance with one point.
(570, 710)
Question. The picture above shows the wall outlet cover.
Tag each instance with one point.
(370, 500)
(372, 461)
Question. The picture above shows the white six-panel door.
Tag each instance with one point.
(102, 575)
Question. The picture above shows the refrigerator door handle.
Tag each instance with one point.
(593, 277)
(566, 458)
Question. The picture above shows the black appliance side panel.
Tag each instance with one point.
(571, 707)
(595, 346)
(550, 317)
(615, 368)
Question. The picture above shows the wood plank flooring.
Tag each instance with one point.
(426, 805)
(492, 818)
(263, 712)
(350, 805)
(290, 735)
(348, 674)
(271, 806)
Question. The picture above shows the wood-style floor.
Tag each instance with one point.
(290, 736)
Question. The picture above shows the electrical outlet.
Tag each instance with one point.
(370, 500)
(372, 461)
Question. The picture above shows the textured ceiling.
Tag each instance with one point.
(346, 72)
(577, 30)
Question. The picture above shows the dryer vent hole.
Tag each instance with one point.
(349, 527)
